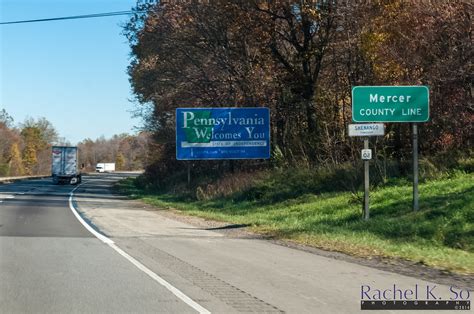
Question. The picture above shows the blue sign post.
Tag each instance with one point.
(222, 133)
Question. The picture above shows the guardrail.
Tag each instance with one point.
(11, 179)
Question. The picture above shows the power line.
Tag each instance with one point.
(74, 17)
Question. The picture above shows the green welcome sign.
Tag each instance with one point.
(390, 104)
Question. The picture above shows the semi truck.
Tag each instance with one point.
(105, 167)
(64, 166)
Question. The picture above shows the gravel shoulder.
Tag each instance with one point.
(398, 266)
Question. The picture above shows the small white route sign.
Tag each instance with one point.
(367, 129)
(366, 154)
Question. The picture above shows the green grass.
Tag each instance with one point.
(440, 235)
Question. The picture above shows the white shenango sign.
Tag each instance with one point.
(371, 129)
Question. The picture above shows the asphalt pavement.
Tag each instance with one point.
(49, 263)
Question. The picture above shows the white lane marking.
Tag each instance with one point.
(6, 196)
(139, 265)
(101, 237)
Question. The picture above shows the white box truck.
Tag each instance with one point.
(64, 167)
(105, 167)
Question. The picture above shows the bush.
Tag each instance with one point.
(295, 182)
(466, 164)
(4, 170)
(227, 185)
(252, 181)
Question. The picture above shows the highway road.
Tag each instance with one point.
(134, 259)
(49, 263)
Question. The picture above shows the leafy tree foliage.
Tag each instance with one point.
(8, 137)
(129, 152)
(26, 149)
(5, 119)
(38, 136)
(429, 45)
(120, 161)
(300, 59)
(15, 162)
(30, 159)
(46, 133)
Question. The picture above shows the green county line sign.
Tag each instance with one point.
(390, 104)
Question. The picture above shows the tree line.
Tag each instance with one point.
(25, 149)
(301, 59)
(128, 152)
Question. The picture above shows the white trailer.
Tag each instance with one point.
(105, 167)
(64, 166)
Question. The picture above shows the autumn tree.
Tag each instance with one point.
(8, 137)
(30, 159)
(129, 152)
(258, 53)
(15, 161)
(25, 148)
(11, 142)
(120, 161)
(87, 155)
(46, 131)
(428, 45)
(298, 35)
(300, 59)
(195, 55)
(38, 136)
(6, 119)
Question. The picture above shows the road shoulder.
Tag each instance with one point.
(118, 216)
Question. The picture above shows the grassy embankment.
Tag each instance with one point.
(440, 235)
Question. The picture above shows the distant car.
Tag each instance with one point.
(105, 167)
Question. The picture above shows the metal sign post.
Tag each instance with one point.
(366, 130)
(189, 173)
(415, 167)
(366, 179)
